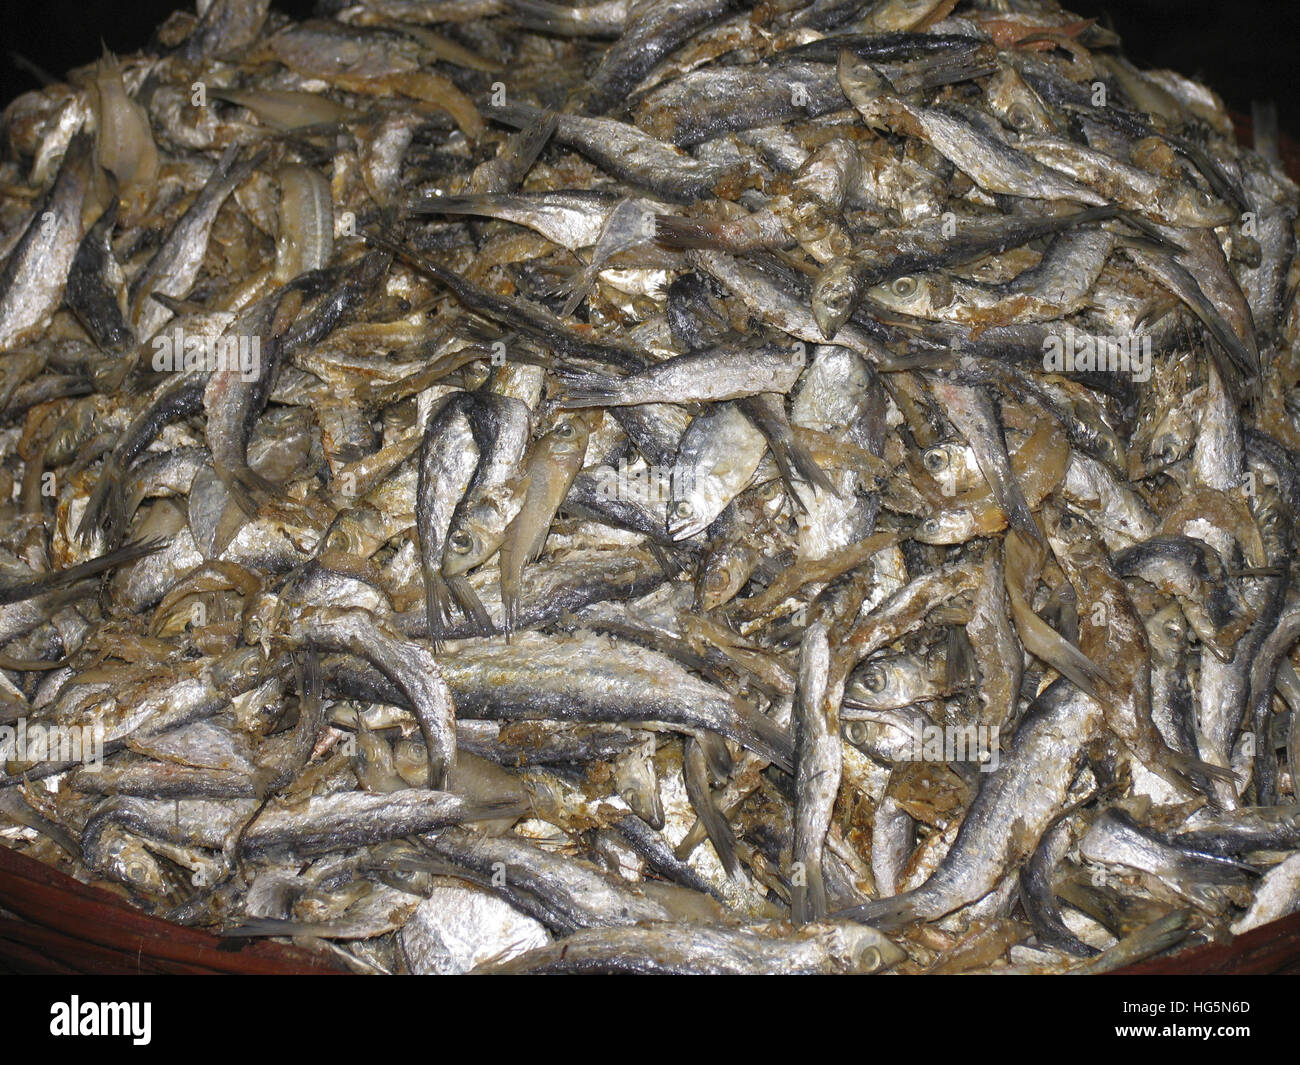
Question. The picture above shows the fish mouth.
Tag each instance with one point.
(830, 321)
(457, 565)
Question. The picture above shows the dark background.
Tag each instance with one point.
(1244, 49)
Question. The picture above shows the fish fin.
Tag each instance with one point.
(1077, 666)
(1044, 641)
(960, 666)
(472, 205)
(1149, 230)
(527, 145)
(231, 520)
(176, 305)
(1215, 869)
(577, 295)
(809, 470)
(781, 456)
(716, 755)
(575, 286)
(662, 557)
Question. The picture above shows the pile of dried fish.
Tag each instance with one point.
(652, 486)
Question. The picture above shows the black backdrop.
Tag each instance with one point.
(1246, 49)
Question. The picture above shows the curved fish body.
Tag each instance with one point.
(1013, 808)
(592, 678)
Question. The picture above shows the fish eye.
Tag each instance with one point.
(874, 680)
(858, 732)
(565, 430)
(930, 525)
(837, 299)
(1019, 116)
(461, 542)
(936, 459)
(904, 287)
(716, 580)
(683, 509)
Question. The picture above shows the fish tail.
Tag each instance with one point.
(590, 394)
(495, 809)
(690, 232)
(808, 900)
(886, 915)
(1191, 774)
(526, 145)
(437, 603)
(250, 490)
(470, 604)
(57, 579)
(100, 508)
(696, 772)
(509, 603)
(769, 739)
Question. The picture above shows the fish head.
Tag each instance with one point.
(947, 527)
(835, 293)
(953, 467)
(570, 433)
(1073, 539)
(637, 783)
(469, 541)
(886, 735)
(716, 585)
(859, 948)
(684, 519)
(890, 682)
(124, 857)
(915, 294)
(1167, 633)
(264, 620)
